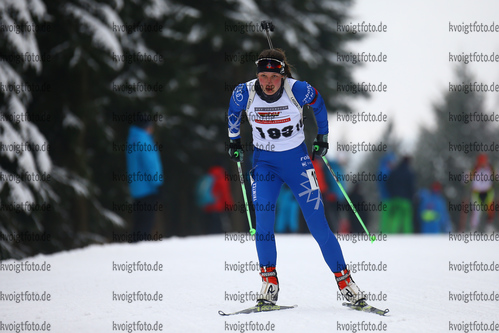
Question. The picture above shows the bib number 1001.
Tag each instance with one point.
(275, 133)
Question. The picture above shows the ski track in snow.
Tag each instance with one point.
(194, 283)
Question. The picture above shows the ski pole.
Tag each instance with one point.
(348, 199)
(268, 26)
(252, 231)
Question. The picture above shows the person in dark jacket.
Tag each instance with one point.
(386, 165)
(144, 166)
(357, 200)
(401, 188)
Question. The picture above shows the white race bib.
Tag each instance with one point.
(276, 126)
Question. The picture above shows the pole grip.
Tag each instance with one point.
(268, 26)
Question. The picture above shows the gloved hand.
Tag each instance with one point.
(236, 150)
(320, 146)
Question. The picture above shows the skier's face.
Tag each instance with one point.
(270, 82)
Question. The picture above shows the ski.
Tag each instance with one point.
(364, 307)
(259, 307)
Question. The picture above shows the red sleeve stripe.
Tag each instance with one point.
(315, 98)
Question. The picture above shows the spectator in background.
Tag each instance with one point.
(143, 162)
(433, 215)
(287, 215)
(333, 195)
(482, 192)
(385, 167)
(357, 200)
(217, 189)
(401, 189)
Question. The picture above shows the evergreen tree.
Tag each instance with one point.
(25, 165)
(201, 52)
(436, 157)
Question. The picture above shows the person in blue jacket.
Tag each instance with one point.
(274, 104)
(432, 211)
(145, 174)
(287, 216)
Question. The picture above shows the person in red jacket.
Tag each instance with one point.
(222, 198)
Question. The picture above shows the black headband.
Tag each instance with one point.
(270, 65)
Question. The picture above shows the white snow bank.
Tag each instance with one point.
(195, 283)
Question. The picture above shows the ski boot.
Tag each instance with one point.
(270, 286)
(348, 288)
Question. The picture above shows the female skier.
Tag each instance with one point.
(274, 105)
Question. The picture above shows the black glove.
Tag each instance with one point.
(236, 150)
(320, 145)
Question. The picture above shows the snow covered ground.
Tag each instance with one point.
(197, 279)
